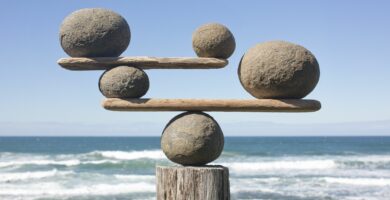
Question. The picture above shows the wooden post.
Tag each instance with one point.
(193, 183)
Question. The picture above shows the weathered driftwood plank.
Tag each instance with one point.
(222, 105)
(192, 183)
(103, 63)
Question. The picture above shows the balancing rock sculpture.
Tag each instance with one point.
(278, 74)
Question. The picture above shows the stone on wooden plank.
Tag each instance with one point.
(278, 70)
(94, 32)
(213, 40)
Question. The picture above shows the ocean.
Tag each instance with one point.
(267, 168)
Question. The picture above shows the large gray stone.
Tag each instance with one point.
(94, 32)
(192, 138)
(124, 82)
(278, 69)
(213, 40)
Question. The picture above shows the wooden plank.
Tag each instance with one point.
(222, 105)
(192, 183)
(144, 62)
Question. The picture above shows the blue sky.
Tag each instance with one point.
(351, 40)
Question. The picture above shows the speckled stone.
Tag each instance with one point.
(213, 40)
(279, 70)
(124, 82)
(94, 32)
(192, 138)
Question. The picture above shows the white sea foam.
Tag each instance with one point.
(6, 177)
(132, 155)
(27, 161)
(134, 177)
(53, 189)
(98, 162)
(370, 158)
(68, 163)
(359, 181)
(237, 189)
(254, 184)
(113, 157)
(245, 167)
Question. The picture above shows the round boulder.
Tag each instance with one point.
(94, 32)
(213, 40)
(192, 138)
(279, 70)
(124, 82)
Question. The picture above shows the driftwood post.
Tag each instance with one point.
(192, 183)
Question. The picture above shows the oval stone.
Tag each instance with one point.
(94, 32)
(213, 40)
(278, 70)
(192, 138)
(124, 82)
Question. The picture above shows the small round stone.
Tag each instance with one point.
(213, 40)
(192, 138)
(278, 69)
(124, 82)
(94, 32)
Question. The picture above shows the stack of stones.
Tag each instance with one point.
(270, 70)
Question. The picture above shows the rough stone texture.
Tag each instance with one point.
(94, 32)
(192, 138)
(142, 62)
(278, 69)
(124, 82)
(213, 40)
(222, 105)
(192, 183)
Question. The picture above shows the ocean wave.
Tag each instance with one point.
(371, 158)
(245, 167)
(28, 161)
(67, 163)
(135, 177)
(68, 160)
(54, 189)
(358, 181)
(237, 163)
(307, 187)
(7, 177)
(256, 163)
(131, 155)
(99, 162)
(366, 162)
